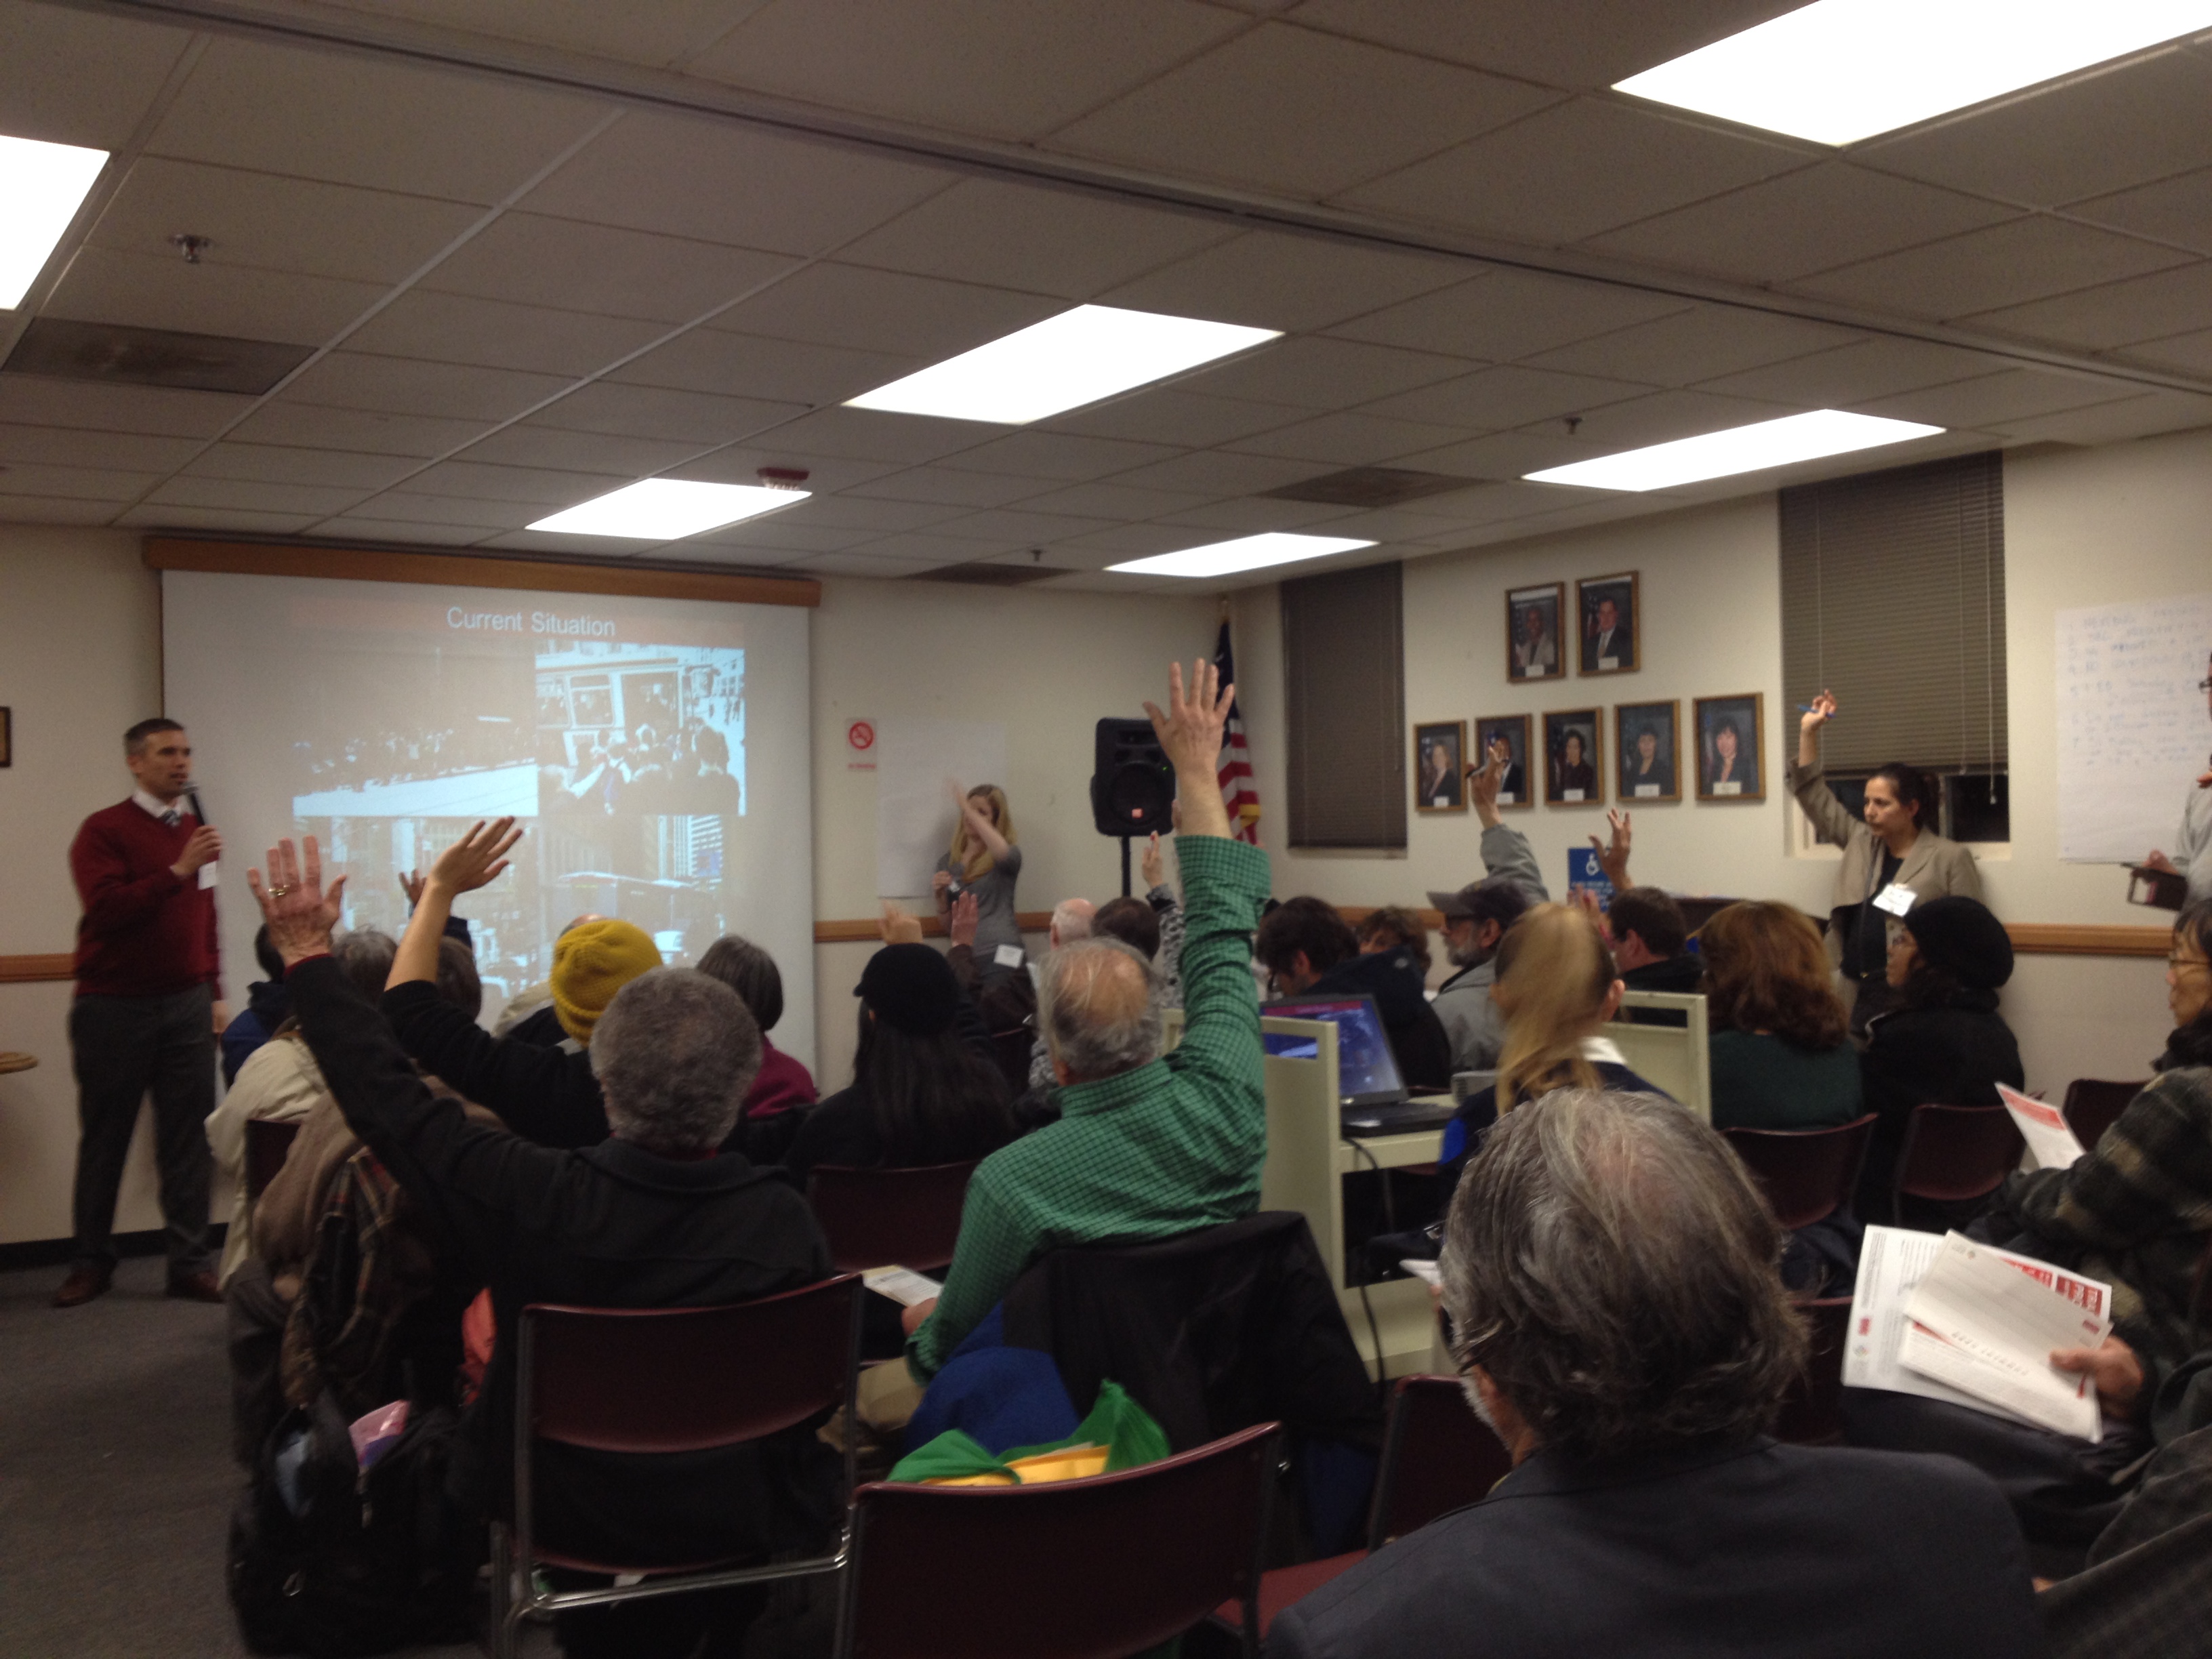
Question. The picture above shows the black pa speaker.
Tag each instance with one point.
(1132, 785)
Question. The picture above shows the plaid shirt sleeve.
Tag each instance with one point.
(2149, 1177)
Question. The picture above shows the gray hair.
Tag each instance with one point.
(675, 1054)
(749, 971)
(1071, 919)
(1098, 1005)
(1612, 1267)
(365, 957)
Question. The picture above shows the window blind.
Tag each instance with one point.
(1892, 598)
(1345, 708)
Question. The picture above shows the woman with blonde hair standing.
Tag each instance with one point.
(984, 860)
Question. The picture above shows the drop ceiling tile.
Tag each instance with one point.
(1250, 514)
(859, 564)
(1134, 541)
(454, 328)
(412, 386)
(293, 110)
(1272, 279)
(1002, 67)
(1575, 171)
(1696, 345)
(1493, 399)
(1027, 237)
(742, 463)
(412, 506)
(924, 547)
(1317, 372)
(1853, 374)
(533, 486)
(1664, 416)
(1992, 399)
(228, 494)
(1218, 472)
(1022, 525)
(2190, 354)
(2172, 210)
(1350, 439)
(353, 527)
(2116, 313)
(2005, 265)
(901, 316)
(1169, 416)
(2087, 137)
(747, 365)
(1033, 453)
(305, 426)
(215, 518)
(941, 485)
(55, 510)
(2116, 422)
(531, 443)
(77, 78)
(126, 451)
(74, 482)
(530, 259)
(657, 35)
(868, 434)
(878, 518)
(1113, 502)
(702, 179)
(1394, 528)
(644, 411)
(36, 400)
(777, 532)
(1307, 114)
(1501, 315)
(106, 286)
(1811, 220)
(1505, 455)
(269, 464)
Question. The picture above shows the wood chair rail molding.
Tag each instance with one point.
(366, 564)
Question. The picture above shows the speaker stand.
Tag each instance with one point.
(1125, 866)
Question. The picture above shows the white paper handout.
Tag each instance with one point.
(902, 1285)
(1984, 1321)
(2051, 1140)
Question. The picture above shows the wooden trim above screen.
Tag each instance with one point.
(366, 564)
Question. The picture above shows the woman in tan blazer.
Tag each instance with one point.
(1893, 859)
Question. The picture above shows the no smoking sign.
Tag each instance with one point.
(860, 739)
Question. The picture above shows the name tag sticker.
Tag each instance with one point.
(1728, 789)
(1008, 956)
(1647, 792)
(1571, 794)
(210, 877)
(1505, 797)
(1606, 664)
(1894, 899)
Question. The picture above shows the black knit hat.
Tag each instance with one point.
(1960, 937)
(911, 988)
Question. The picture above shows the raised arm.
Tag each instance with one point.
(978, 821)
(477, 858)
(1809, 781)
(1505, 850)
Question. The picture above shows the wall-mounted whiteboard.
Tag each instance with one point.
(913, 809)
(2132, 731)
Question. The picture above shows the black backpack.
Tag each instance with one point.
(370, 1560)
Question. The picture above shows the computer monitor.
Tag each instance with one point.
(1367, 1070)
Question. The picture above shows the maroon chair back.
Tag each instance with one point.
(889, 1218)
(1812, 1411)
(1956, 1153)
(685, 1379)
(268, 1143)
(2091, 1104)
(1807, 1174)
(1437, 1456)
(1074, 1569)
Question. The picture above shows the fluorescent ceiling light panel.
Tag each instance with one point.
(1060, 363)
(1245, 553)
(1840, 70)
(665, 509)
(41, 187)
(1739, 449)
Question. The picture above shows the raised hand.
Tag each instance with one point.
(1823, 710)
(1613, 859)
(1189, 731)
(960, 922)
(1153, 867)
(299, 914)
(476, 858)
(411, 883)
(897, 927)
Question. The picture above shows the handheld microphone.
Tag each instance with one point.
(198, 811)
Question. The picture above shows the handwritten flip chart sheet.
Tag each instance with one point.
(2132, 731)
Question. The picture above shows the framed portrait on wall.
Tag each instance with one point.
(1533, 649)
(1732, 747)
(1439, 754)
(1506, 735)
(1574, 757)
(1609, 621)
(1647, 741)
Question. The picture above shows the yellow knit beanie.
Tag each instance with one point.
(591, 962)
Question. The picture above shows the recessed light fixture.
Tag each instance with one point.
(1245, 553)
(666, 509)
(1739, 449)
(1060, 363)
(1840, 70)
(41, 187)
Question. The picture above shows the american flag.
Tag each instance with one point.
(1238, 794)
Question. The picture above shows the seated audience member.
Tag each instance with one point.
(650, 1217)
(921, 1092)
(1781, 1056)
(1557, 989)
(551, 1096)
(1645, 928)
(1071, 920)
(267, 1007)
(785, 1088)
(1309, 950)
(279, 1080)
(1154, 868)
(1476, 921)
(1394, 927)
(1608, 1266)
(1131, 921)
(529, 1016)
(1147, 1147)
(1942, 1042)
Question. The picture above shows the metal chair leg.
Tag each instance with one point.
(506, 1605)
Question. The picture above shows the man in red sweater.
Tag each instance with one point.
(147, 1011)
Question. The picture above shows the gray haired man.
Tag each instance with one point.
(1475, 919)
(1609, 1270)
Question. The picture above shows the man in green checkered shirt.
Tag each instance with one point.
(1146, 1147)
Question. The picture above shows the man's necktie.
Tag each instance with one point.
(171, 818)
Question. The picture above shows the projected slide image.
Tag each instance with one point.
(641, 728)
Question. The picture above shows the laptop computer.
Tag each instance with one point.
(1371, 1096)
